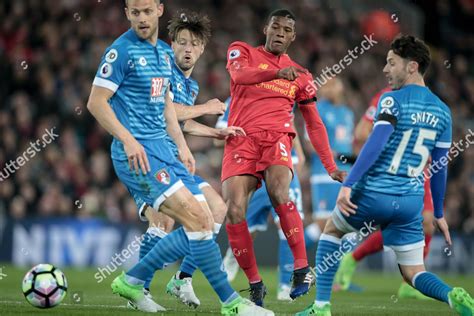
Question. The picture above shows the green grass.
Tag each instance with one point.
(378, 297)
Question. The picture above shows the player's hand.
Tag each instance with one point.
(215, 107)
(230, 131)
(137, 158)
(289, 73)
(344, 202)
(441, 224)
(338, 175)
(187, 158)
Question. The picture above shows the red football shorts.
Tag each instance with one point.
(252, 154)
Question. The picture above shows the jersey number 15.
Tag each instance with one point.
(419, 149)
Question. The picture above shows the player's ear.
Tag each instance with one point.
(161, 9)
(127, 13)
(294, 36)
(412, 67)
(265, 29)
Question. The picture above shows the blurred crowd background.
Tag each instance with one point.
(50, 50)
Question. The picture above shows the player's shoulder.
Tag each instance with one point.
(124, 42)
(440, 103)
(237, 48)
(241, 44)
(390, 98)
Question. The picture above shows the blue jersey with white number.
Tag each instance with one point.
(183, 90)
(223, 120)
(139, 75)
(423, 122)
(339, 123)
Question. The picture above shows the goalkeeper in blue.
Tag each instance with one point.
(130, 99)
(382, 189)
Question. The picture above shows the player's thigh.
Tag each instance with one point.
(216, 203)
(240, 158)
(150, 189)
(258, 210)
(373, 209)
(405, 230)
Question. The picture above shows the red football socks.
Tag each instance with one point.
(242, 247)
(292, 226)
(373, 244)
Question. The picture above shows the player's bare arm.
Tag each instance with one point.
(99, 107)
(211, 107)
(197, 129)
(175, 132)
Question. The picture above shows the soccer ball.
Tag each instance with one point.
(44, 286)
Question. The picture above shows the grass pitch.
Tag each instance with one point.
(87, 297)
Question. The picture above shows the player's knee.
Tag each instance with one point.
(195, 219)
(279, 194)
(408, 275)
(235, 212)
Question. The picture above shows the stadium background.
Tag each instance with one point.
(66, 205)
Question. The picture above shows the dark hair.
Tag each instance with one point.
(282, 12)
(413, 49)
(157, 1)
(197, 24)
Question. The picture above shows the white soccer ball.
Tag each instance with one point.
(44, 286)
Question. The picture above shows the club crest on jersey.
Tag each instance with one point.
(156, 89)
(111, 56)
(163, 177)
(234, 54)
(142, 61)
(387, 102)
(106, 70)
(179, 86)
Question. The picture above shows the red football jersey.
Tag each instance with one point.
(260, 102)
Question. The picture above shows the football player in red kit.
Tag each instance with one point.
(265, 84)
